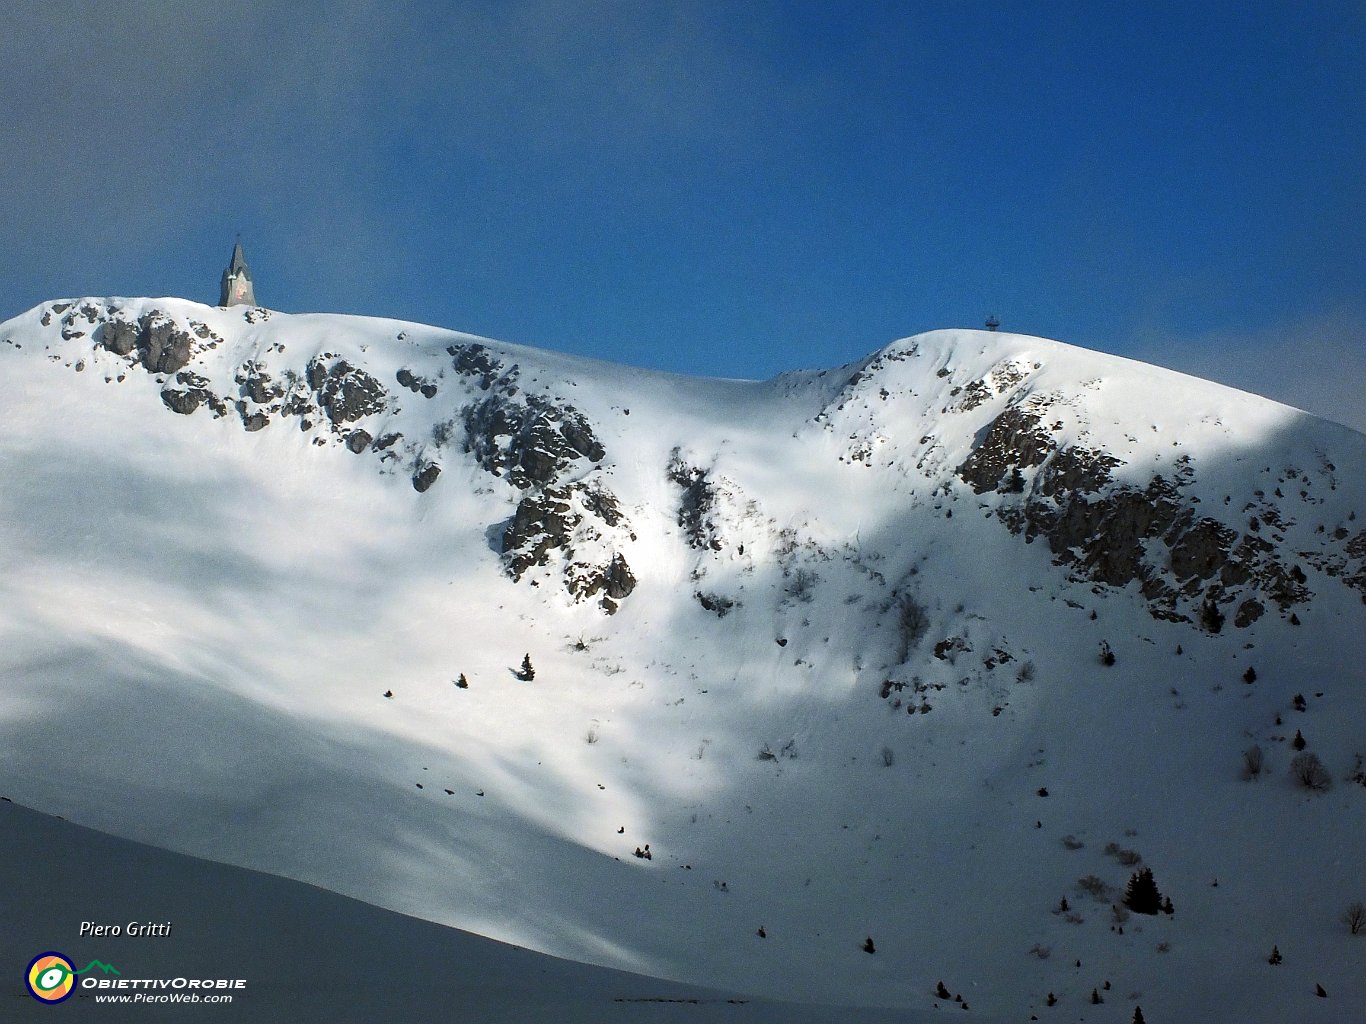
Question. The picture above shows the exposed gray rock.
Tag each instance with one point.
(119, 336)
(475, 361)
(162, 347)
(1248, 613)
(360, 440)
(528, 437)
(614, 580)
(1109, 533)
(347, 393)
(542, 523)
(1017, 437)
(695, 509)
(257, 385)
(183, 402)
(425, 477)
(415, 384)
(602, 503)
(715, 603)
(194, 393)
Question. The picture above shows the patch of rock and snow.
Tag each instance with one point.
(896, 650)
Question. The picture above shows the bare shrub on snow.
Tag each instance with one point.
(1310, 773)
(1354, 917)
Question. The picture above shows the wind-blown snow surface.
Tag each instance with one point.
(305, 954)
(822, 642)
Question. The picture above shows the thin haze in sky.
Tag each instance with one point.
(723, 189)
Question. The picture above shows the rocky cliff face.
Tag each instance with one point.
(1045, 464)
(1033, 457)
(1153, 535)
(546, 449)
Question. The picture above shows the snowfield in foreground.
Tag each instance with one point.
(937, 649)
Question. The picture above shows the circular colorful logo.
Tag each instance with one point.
(51, 978)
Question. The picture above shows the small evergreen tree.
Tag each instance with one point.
(1275, 958)
(1141, 896)
(462, 682)
(1250, 676)
(1211, 617)
(1096, 1000)
(528, 673)
(1138, 1016)
(1107, 656)
(941, 991)
(1298, 742)
(868, 946)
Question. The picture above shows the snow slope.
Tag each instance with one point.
(304, 953)
(822, 642)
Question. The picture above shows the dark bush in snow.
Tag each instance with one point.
(1310, 773)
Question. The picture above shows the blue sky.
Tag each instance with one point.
(734, 189)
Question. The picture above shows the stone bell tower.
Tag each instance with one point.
(236, 289)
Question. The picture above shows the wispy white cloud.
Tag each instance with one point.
(1318, 365)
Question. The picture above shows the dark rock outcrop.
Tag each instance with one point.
(425, 477)
(345, 392)
(1112, 534)
(614, 580)
(415, 384)
(528, 437)
(162, 347)
(183, 402)
(1016, 438)
(119, 336)
(696, 507)
(477, 362)
(542, 523)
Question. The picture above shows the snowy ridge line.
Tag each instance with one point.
(900, 672)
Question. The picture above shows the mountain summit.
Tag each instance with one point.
(916, 650)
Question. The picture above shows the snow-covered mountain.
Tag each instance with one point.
(913, 650)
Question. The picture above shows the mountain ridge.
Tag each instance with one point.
(822, 642)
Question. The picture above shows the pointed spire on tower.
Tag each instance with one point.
(236, 286)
